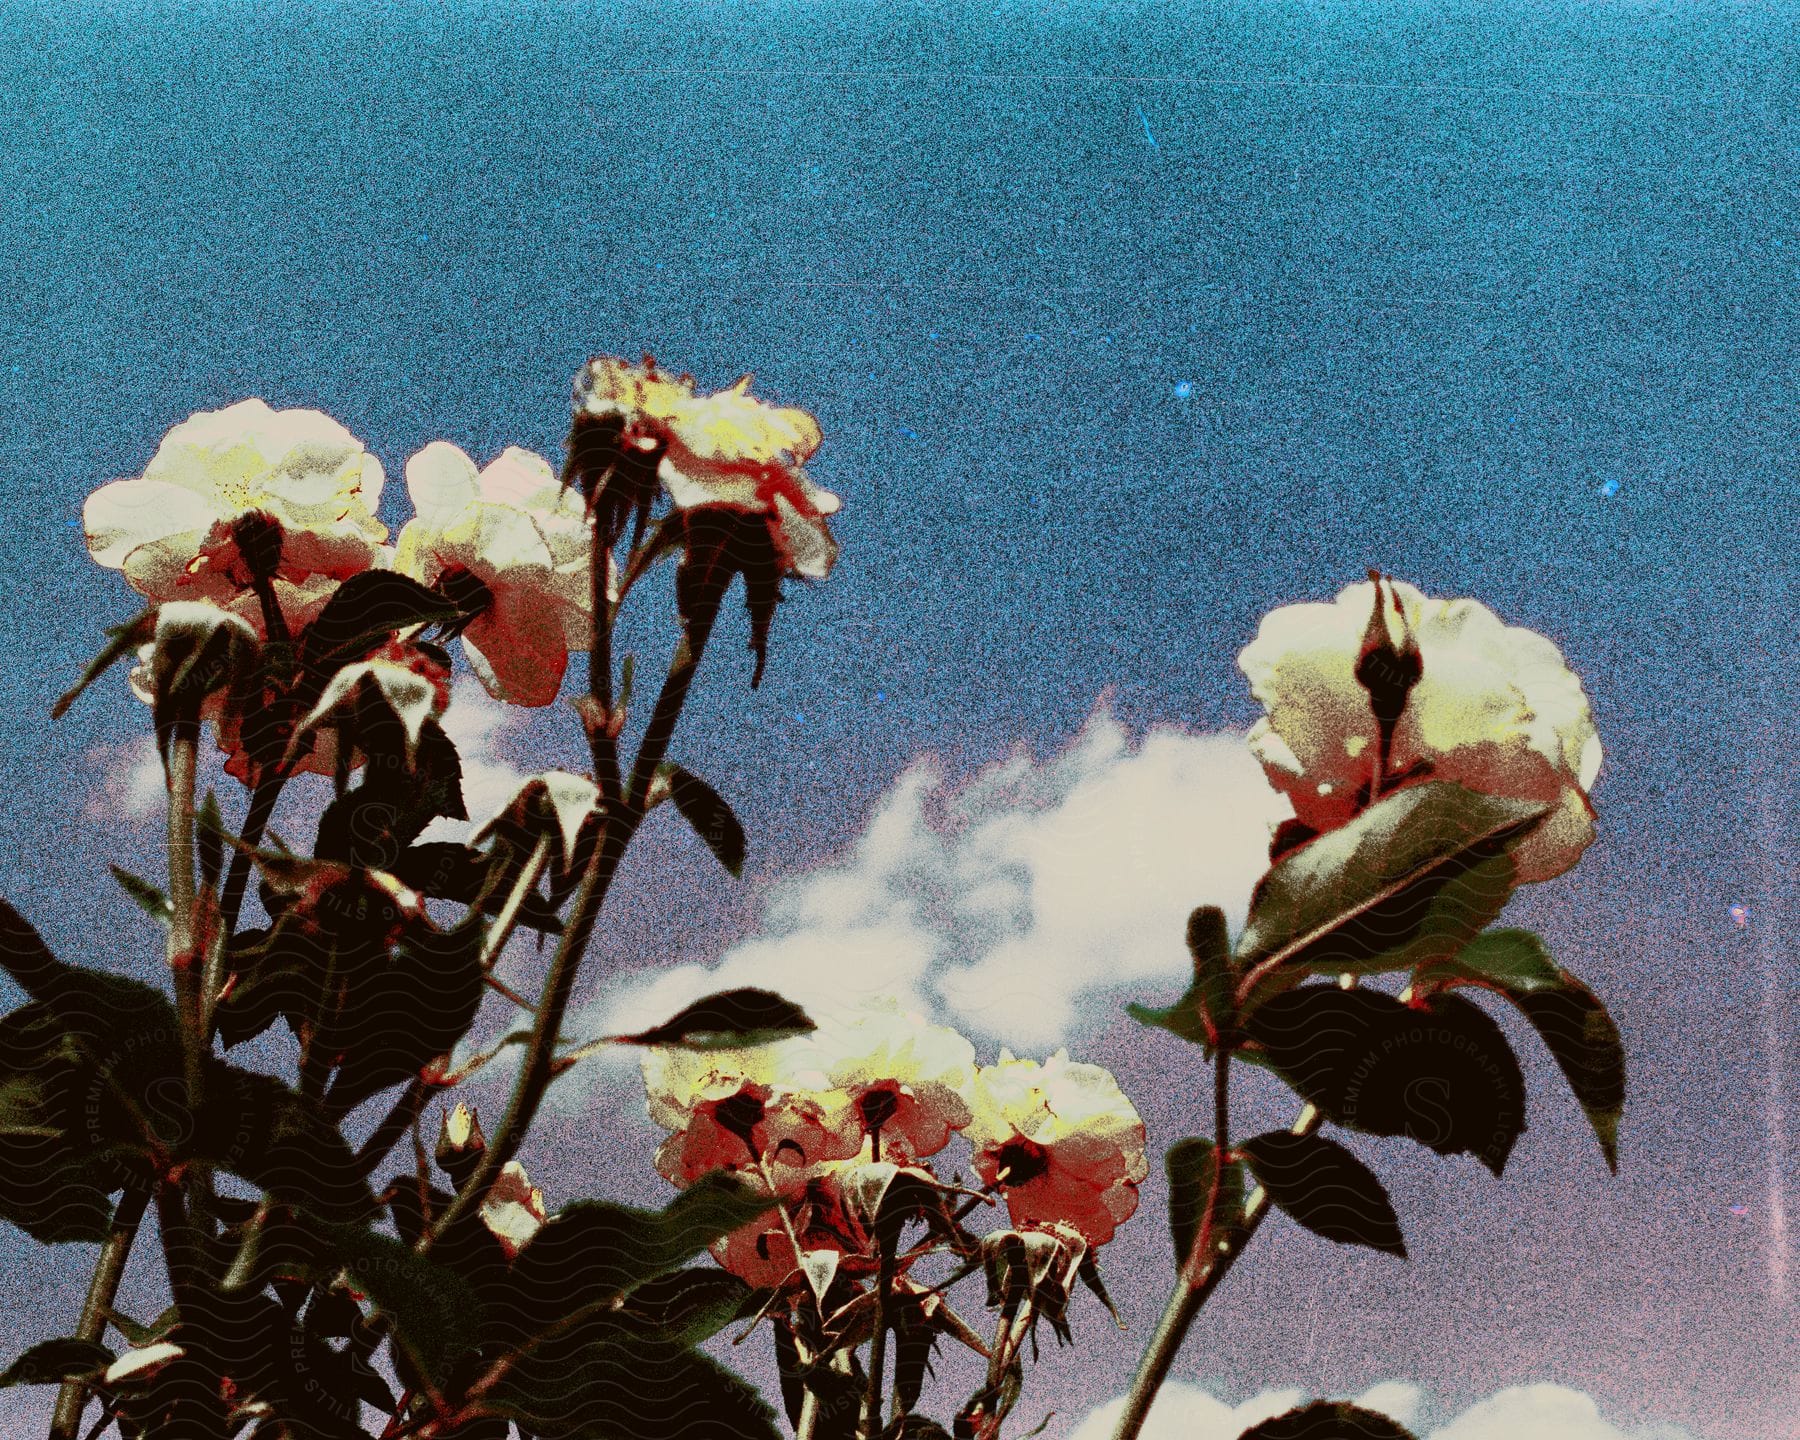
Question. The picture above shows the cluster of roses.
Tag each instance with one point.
(1058, 1141)
(839, 1123)
(261, 515)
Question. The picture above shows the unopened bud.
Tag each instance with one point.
(259, 537)
(1389, 665)
(460, 1144)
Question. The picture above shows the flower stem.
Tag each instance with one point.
(1199, 1277)
(103, 1289)
(184, 959)
(506, 918)
(539, 1067)
(884, 1289)
(393, 1126)
(256, 819)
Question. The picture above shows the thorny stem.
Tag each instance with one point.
(1206, 1266)
(263, 796)
(539, 1066)
(884, 1288)
(393, 1126)
(183, 959)
(602, 739)
(180, 1245)
(109, 1269)
(787, 1220)
(812, 1408)
(507, 917)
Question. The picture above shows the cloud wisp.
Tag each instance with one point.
(1520, 1412)
(1010, 901)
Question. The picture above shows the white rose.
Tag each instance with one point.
(170, 530)
(1495, 709)
(512, 540)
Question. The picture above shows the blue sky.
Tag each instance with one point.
(1124, 324)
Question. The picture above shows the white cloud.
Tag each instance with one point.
(130, 782)
(479, 726)
(1544, 1412)
(1522, 1412)
(1009, 900)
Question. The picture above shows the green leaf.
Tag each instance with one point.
(277, 1139)
(446, 870)
(434, 1310)
(730, 1020)
(57, 1166)
(709, 815)
(593, 1249)
(121, 640)
(50, 1362)
(1567, 1016)
(407, 1008)
(147, 897)
(209, 841)
(1438, 1071)
(1325, 1188)
(138, 1335)
(1329, 1420)
(1206, 1011)
(1408, 881)
(688, 1307)
(1189, 1165)
(361, 613)
(608, 1383)
(90, 1078)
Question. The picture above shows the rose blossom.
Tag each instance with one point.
(174, 530)
(722, 1105)
(726, 451)
(514, 545)
(1495, 708)
(1061, 1142)
(906, 1080)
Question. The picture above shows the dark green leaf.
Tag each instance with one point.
(687, 1307)
(1189, 1165)
(146, 896)
(434, 1310)
(1329, 1420)
(606, 1383)
(405, 1011)
(90, 1077)
(138, 1335)
(787, 1370)
(1568, 1016)
(1407, 881)
(256, 1127)
(446, 870)
(50, 1362)
(65, 1142)
(1439, 1071)
(915, 1341)
(1325, 1188)
(1205, 1012)
(706, 810)
(209, 841)
(361, 613)
(121, 640)
(732, 1019)
(591, 1250)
